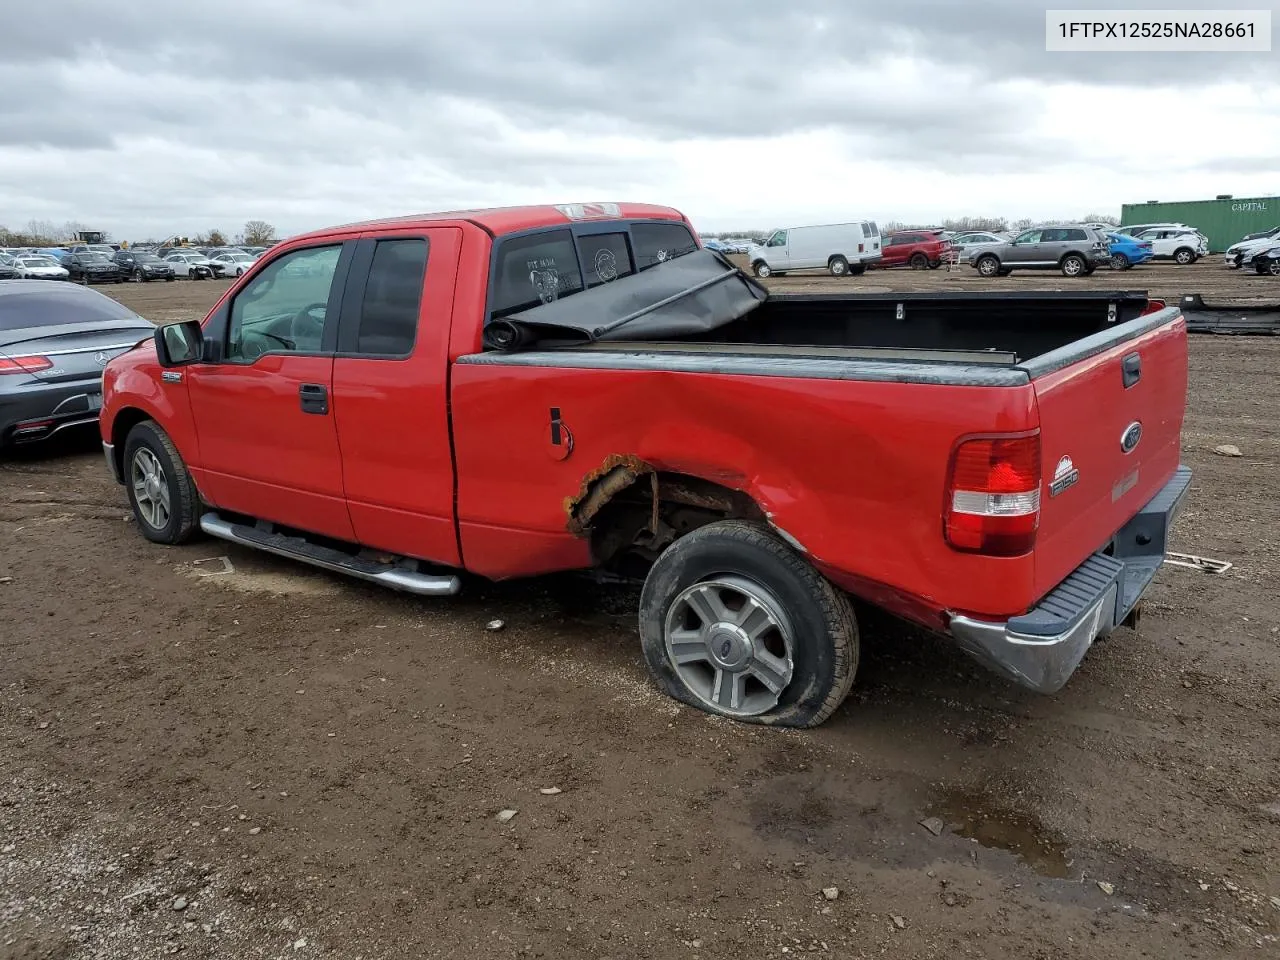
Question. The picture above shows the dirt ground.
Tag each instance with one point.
(216, 753)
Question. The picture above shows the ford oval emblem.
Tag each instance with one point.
(1132, 434)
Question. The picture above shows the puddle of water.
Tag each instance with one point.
(976, 816)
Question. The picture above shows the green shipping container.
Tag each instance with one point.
(1223, 221)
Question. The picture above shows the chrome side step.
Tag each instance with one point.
(296, 548)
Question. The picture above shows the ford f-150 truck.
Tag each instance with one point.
(513, 392)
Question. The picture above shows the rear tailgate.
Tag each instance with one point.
(1110, 426)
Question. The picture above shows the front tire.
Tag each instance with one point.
(761, 270)
(1273, 268)
(918, 261)
(161, 491)
(838, 266)
(1120, 262)
(735, 622)
(137, 276)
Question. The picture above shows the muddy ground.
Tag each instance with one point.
(216, 753)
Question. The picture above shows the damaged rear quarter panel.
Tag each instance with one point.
(853, 470)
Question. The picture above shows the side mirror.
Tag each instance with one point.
(178, 344)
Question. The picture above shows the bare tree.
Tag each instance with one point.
(1102, 218)
(1024, 224)
(41, 232)
(965, 224)
(259, 233)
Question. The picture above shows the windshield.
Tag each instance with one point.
(146, 258)
(38, 262)
(94, 257)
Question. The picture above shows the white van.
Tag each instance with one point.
(838, 248)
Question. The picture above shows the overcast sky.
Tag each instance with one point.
(149, 118)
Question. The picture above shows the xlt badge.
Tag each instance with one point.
(1064, 475)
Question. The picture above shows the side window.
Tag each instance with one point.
(392, 296)
(284, 308)
(605, 257)
(866, 229)
(1030, 236)
(658, 242)
(535, 269)
(1075, 235)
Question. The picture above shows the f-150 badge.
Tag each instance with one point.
(1064, 476)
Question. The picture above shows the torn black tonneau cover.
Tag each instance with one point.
(688, 295)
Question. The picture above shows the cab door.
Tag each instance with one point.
(390, 392)
(264, 414)
(779, 252)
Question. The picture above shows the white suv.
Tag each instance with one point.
(1183, 245)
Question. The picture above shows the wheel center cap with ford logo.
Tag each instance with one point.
(729, 646)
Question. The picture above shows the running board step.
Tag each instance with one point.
(296, 548)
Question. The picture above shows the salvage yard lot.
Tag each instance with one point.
(247, 758)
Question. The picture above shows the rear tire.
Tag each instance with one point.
(918, 261)
(1073, 265)
(1273, 268)
(1184, 256)
(791, 627)
(988, 265)
(761, 270)
(165, 503)
(857, 269)
(838, 266)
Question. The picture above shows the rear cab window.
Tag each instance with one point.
(547, 265)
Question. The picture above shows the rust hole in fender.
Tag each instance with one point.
(618, 472)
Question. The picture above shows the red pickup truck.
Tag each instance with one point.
(519, 391)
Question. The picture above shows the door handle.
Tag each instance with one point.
(314, 398)
(1131, 370)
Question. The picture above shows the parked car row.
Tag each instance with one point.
(104, 263)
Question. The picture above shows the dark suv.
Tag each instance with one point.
(1073, 248)
(142, 265)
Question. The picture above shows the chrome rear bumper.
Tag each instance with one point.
(1042, 648)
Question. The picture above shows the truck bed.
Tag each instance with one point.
(701, 303)
(836, 414)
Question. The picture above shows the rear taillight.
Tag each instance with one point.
(24, 364)
(993, 496)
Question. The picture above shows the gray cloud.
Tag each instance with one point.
(299, 103)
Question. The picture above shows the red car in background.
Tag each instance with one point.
(915, 248)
